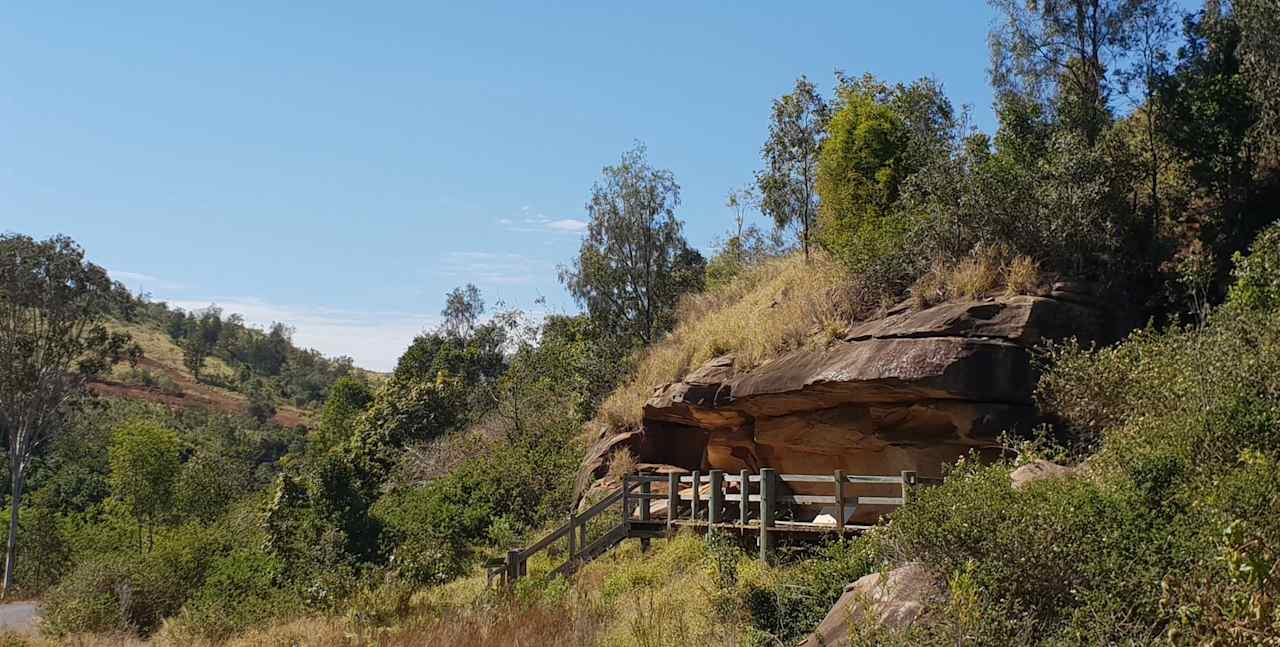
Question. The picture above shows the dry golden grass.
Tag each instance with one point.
(782, 305)
(621, 463)
(988, 269)
(1022, 275)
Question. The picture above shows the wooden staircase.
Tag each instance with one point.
(703, 505)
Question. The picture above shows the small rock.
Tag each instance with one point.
(1038, 471)
(894, 600)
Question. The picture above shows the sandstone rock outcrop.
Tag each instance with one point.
(913, 390)
(892, 600)
(1040, 470)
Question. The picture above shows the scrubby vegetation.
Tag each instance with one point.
(368, 525)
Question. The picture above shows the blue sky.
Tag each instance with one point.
(341, 166)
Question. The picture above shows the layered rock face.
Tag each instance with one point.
(914, 390)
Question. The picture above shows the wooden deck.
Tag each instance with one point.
(742, 504)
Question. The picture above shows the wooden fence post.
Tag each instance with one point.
(716, 500)
(839, 478)
(693, 504)
(908, 481)
(513, 567)
(645, 490)
(673, 500)
(768, 494)
(573, 535)
(744, 488)
(626, 499)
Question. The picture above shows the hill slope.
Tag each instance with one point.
(160, 377)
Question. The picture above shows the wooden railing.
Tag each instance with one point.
(762, 493)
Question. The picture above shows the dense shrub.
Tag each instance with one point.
(1258, 275)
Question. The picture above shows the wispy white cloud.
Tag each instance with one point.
(491, 267)
(567, 224)
(140, 282)
(374, 340)
(533, 222)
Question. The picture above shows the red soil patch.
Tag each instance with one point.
(194, 394)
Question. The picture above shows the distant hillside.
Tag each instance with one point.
(161, 377)
(295, 384)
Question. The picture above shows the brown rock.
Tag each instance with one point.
(1038, 471)
(911, 391)
(892, 600)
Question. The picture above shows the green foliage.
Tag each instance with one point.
(262, 356)
(206, 485)
(199, 338)
(475, 357)
(436, 528)
(789, 602)
(404, 411)
(634, 263)
(261, 404)
(1211, 114)
(859, 173)
(348, 398)
(797, 128)
(144, 468)
(1257, 276)
(240, 590)
(53, 340)
(44, 553)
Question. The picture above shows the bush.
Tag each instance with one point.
(240, 590)
(95, 597)
(1257, 276)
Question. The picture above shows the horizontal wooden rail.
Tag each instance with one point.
(709, 509)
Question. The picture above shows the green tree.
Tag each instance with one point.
(206, 484)
(201, 338)
(634, 263)
(1257, 276)
(1260, 50)
(1210, 114)
(1064, 55)
(53, 340)
(144, 469)
(348, 398)
(262, 406)
(745, 246)
(460, 347)
(462, 309)
(797, 128)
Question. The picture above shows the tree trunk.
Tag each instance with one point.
(11, 547)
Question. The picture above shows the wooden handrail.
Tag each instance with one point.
(709, 511)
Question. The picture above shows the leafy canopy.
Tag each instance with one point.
(634, 263)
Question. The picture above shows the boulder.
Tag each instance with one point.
(1039, 470)
(892, 600)
(913, 390)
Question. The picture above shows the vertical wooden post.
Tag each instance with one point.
(716, 501)
(693, 504)
(673, 499)
(627, 503)
(908, 482)
(513, 567)
(744, 487)
(839, 479)
(573, 535)
(645, 490)
(768, 494)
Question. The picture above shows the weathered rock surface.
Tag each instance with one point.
(913, 390)
(1038, 471)
(892, 600)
